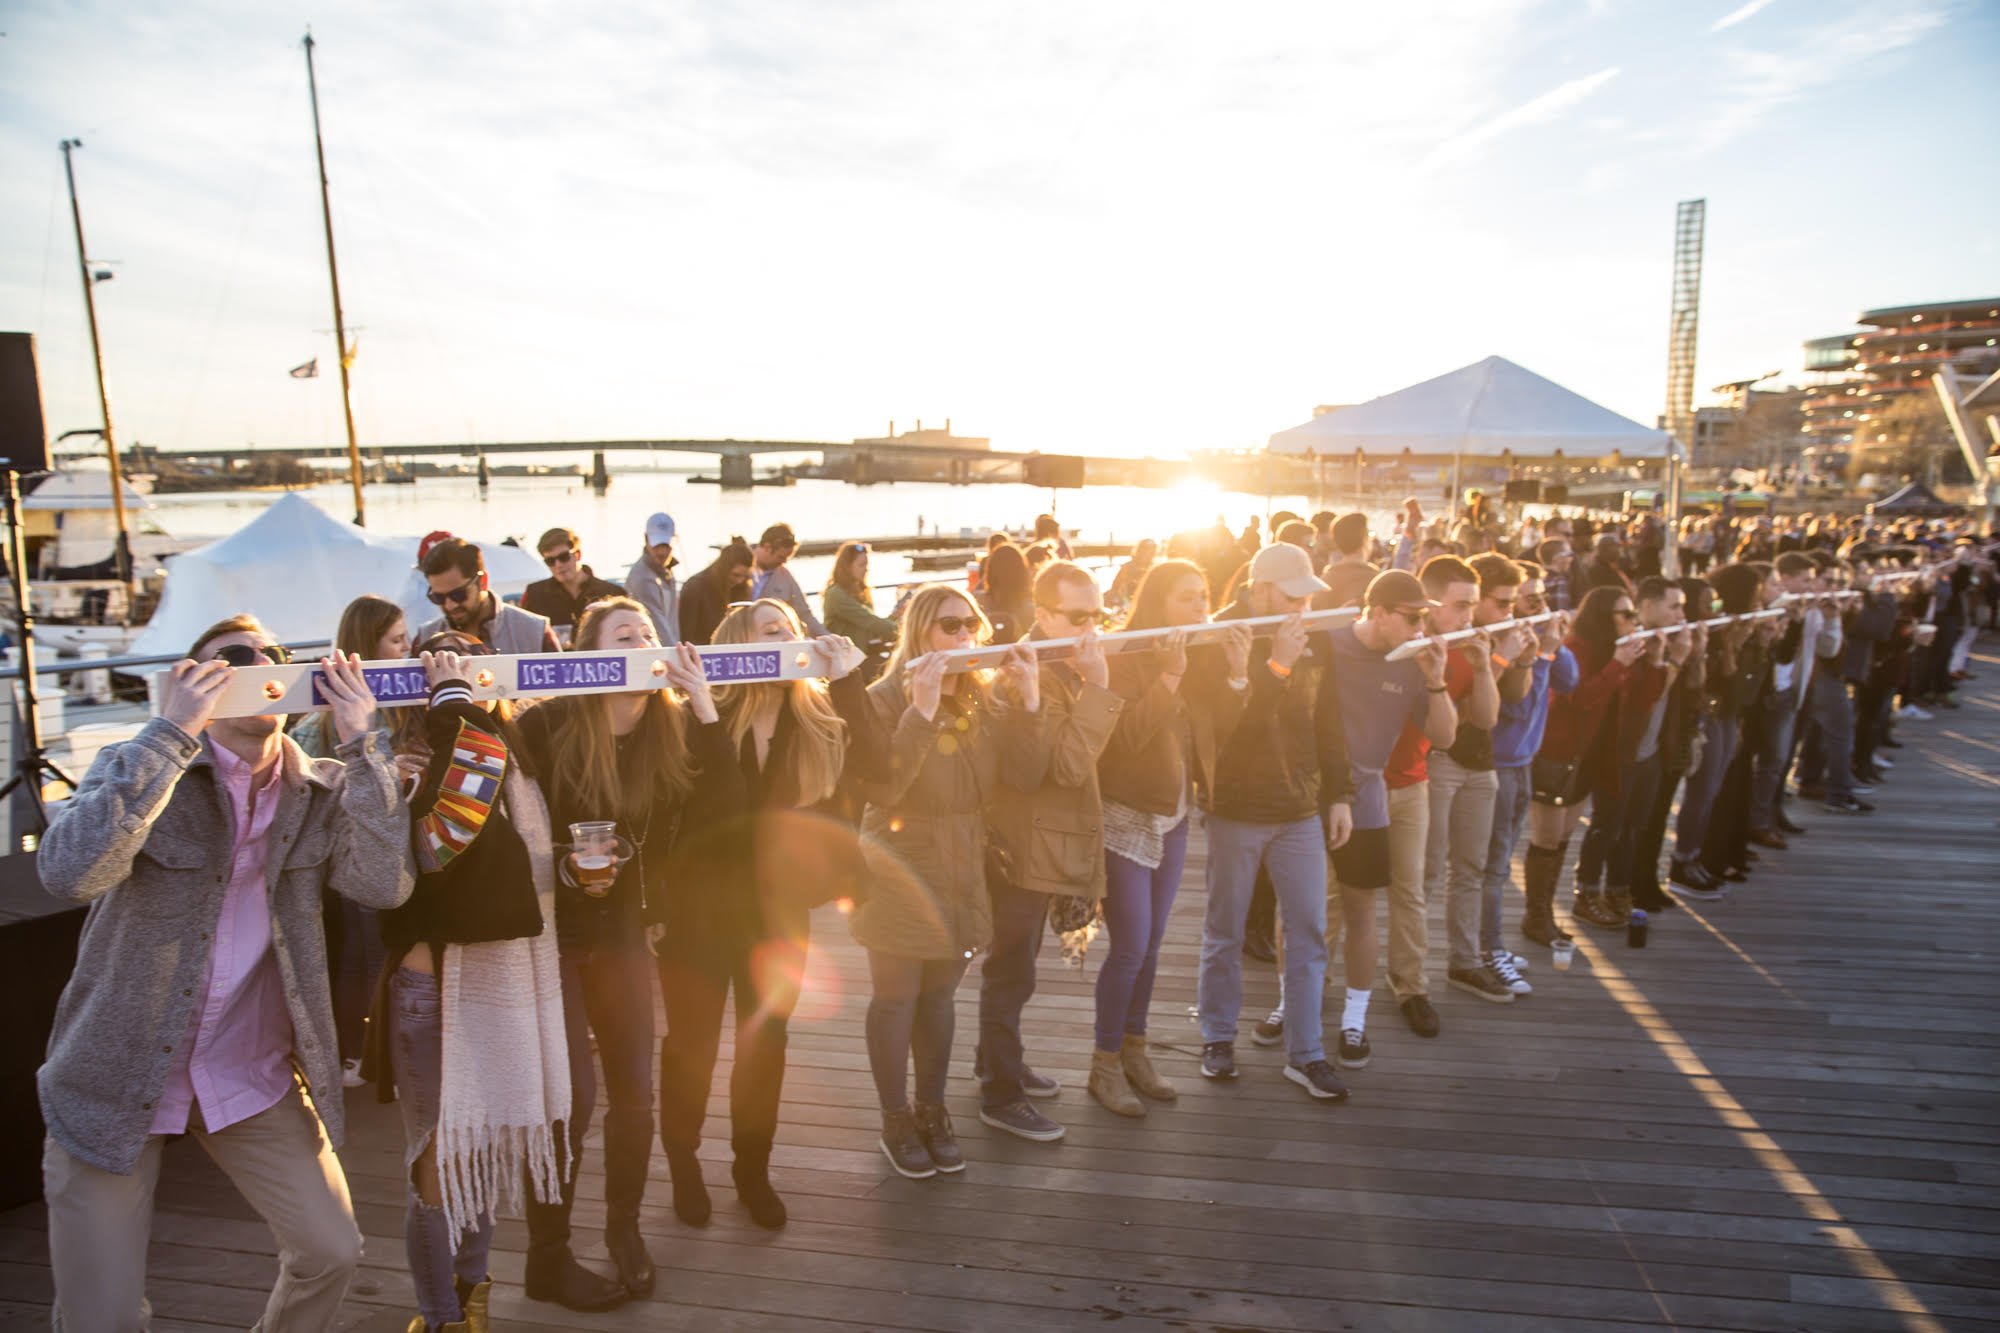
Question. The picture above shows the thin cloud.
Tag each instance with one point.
(1755, 83)
(1740, 15)
(1536, 111)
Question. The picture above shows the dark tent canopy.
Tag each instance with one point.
(1915, 500)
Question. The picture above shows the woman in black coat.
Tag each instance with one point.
(735, 913)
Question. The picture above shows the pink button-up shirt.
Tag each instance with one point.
(236, 1058)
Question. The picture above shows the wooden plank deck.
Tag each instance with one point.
(1782, 1115)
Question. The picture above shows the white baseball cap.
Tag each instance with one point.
(659, 529)
(1287, 567)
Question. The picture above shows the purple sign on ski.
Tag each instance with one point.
(390, 685)
(567, 673)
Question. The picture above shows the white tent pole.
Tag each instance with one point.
(1670, 552)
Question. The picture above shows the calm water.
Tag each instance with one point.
(611, 525)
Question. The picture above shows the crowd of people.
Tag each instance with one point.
(470, 904)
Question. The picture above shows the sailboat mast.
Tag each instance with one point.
(333, 275)
(122, 556)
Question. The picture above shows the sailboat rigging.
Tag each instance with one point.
(333, 276)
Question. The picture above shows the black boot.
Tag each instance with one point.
(752, 1173)
(628, 1146)
(553, 1274)
(690, 1192)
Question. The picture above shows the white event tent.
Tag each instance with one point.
(296, 568)
(1489, 409)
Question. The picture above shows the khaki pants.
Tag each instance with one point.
(1409, 936)
(100, 1222)
(1455, 860)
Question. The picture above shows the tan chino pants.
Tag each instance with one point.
(100, 1222)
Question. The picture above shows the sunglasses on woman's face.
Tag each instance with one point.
(1624, 614)
(243, 655)
(958, 624)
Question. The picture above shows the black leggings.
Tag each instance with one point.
(911, 1014)
(697, 973)
(1617, 819)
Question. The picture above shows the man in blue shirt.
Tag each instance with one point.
(1377, 696)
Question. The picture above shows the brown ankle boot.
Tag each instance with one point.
(1108, 1085)
(1139, 1072)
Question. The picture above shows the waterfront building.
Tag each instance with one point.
(1859, 377)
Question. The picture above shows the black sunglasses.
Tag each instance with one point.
(1078, 618)
(953, 624)
(455, 596)
(243, 655)
(559, 558)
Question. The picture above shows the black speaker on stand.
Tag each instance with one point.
(24, 447)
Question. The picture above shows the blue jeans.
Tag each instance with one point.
(1295, 854)
(1511, 800)
(1718, 750)
(1773, 757)
(1137, 902)
(1831, 758)
(416, 1037)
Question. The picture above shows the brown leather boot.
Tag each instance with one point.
(1139, 1072)
(1596, 909)
(1538, 918)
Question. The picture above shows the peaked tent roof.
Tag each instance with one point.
(296, 567)
(1483, 410)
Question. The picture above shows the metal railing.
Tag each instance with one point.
(72, 666)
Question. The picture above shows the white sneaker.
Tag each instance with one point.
(1520, 963)
(1272, 1030)
(1913, 713)
(1502, 964)
(1883, 762)
(350, 1074)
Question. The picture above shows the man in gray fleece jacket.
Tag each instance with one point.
(200, 1002)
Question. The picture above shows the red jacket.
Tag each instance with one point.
(1609, 694)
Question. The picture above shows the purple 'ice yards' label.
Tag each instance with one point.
(389, 685)
(565, 673)
(723, 668)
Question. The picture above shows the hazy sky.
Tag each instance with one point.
(1139, 226)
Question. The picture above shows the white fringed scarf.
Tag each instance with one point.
(506, 1052)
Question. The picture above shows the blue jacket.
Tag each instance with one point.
(1518, 733)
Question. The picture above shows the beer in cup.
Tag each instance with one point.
(594, 855)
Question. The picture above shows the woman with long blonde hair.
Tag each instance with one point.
(655, 762)
(739, 920)
(952, 740)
